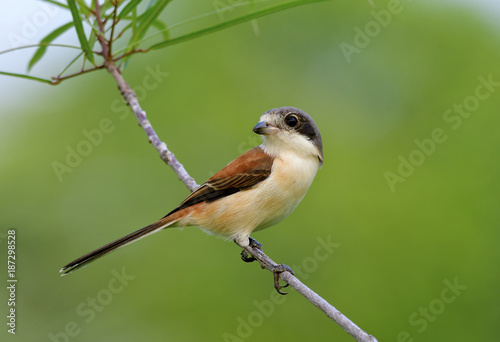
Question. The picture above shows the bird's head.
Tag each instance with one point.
(290, 129)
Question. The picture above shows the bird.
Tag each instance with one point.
(255, 191)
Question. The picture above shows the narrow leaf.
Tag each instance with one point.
(53, 2)
(147, 19)
(79, 30)
(128, 8)
(38, 45)
(83, 7)
(93, 36)
(233, 22)
(33, 78)
(105, 6)
(133, 24)
(45, 42)
(162, 27)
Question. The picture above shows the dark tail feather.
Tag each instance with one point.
(112, 246)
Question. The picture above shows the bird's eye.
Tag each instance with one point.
(291, 120)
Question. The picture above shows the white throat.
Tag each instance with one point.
(290, 143)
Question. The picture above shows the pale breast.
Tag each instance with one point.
(290, 179)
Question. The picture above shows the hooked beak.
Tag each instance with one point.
(263, 128)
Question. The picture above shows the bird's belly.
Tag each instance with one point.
(244, 212)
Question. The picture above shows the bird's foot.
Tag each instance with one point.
(277, 269)
(247, 257)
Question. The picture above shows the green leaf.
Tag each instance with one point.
(162, 27)
(104, 7)
(233, 22)
(133, 25)
(38, 45)
(143, 23)
(79, 30)
(134, 20)
(93, 36)
(27, 77)
(53, 2)
(128, 8)
(47, 40)
(84, 8)
(148, 18)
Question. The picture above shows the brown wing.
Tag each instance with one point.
(242, 173)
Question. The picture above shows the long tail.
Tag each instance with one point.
(112, 246)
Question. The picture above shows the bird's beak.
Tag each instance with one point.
(264, 128)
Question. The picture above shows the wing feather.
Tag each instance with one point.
(243, 173)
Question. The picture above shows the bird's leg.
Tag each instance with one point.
(247, 257)
(265, 263)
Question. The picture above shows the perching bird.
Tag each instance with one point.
(255, 191)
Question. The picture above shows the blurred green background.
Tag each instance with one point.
(415, 259)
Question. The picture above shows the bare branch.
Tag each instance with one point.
(315, 299)
(58, 79)
(100, 35)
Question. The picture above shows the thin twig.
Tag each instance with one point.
(58, 79)
(100, 35)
